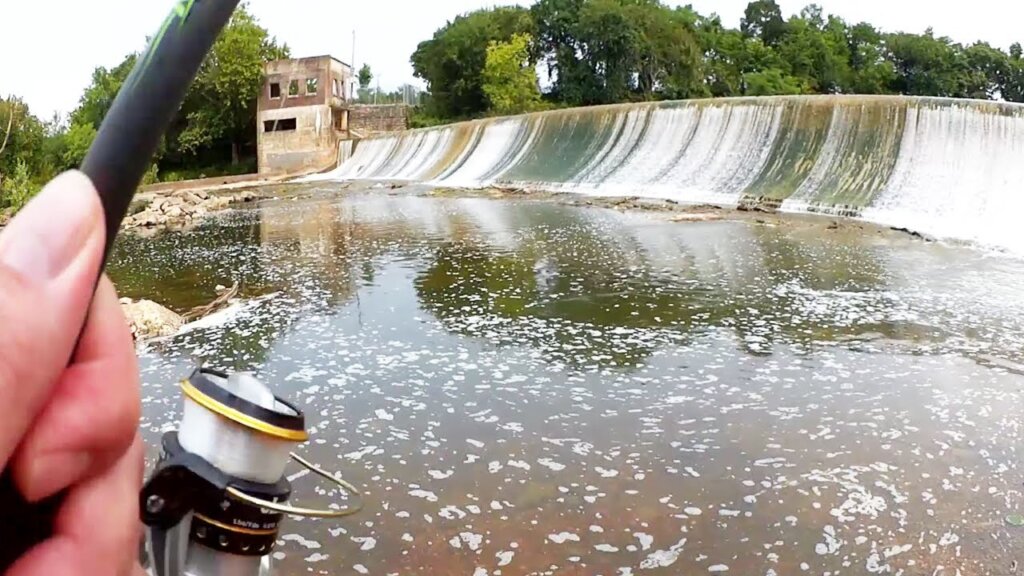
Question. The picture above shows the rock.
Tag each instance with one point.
(203, 195)
(173, 212)
(157, 204)
(193, 198)
(696, 217)
(148, 319)
(146, 219)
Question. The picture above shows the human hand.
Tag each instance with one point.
(70, 426)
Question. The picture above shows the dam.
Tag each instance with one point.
(945, 168)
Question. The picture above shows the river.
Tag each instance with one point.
(527, 387)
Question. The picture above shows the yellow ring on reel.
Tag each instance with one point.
(230, 413)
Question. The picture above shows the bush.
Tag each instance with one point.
(18, 188)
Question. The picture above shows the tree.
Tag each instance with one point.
(669, 52)
(815, 53)
(509, 80)
(22, 138)
(220, 109)
(927, 66)
(988, 71)
(870, 71)
(763, 19)
(365, 77)
(21, 144)
(76, 144)
(11, 113)
(99, 96)
(452, 62)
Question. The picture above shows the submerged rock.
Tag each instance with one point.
(148, 319)
(696, 217)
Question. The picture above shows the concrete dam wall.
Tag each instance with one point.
(948, 168)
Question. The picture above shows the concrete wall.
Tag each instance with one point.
(313, 144)
(368, 120)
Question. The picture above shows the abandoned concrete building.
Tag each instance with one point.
(306, 110)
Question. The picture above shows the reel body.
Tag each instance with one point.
(214, 504)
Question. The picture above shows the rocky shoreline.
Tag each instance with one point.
(183, 208)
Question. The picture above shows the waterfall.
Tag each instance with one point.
(947, 168)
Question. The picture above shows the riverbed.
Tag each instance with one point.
(524, 386)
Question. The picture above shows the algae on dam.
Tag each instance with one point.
(948, 168)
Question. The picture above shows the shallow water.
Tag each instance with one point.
(526, 387)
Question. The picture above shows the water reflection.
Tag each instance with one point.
(535, 388)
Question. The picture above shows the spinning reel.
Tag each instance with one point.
(214, 504)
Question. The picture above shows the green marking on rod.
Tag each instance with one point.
(179, 12)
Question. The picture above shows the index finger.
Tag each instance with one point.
(93, 412)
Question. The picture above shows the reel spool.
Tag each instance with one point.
(214, 504)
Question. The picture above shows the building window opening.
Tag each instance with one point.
(293, 88)
(335, 88)
(275, 90)
(283, 125)
(312, 85)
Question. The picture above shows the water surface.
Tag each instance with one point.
(525, 387)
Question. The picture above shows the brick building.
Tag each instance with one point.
(306, 110)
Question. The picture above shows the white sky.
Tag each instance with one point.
(48, 48)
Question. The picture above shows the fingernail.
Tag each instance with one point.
(52, 473)
(46, 236)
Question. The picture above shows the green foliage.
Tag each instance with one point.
(150, 177)
(772, 82)
(18, 188)
(925, 65)
(608, 51)
(365, 77)
(509, 80)
(871, 72)
(763, 19)
(76, 143)
(25, 142)
(604, 51)
(246, 166)
(452, 62)
(99, 96)
(220, 109)
(419, 119)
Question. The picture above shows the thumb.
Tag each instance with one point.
(49, 261)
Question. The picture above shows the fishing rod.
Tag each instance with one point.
(214, 503)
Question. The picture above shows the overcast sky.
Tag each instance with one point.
(48, 48)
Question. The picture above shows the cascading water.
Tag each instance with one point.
(948, 168)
